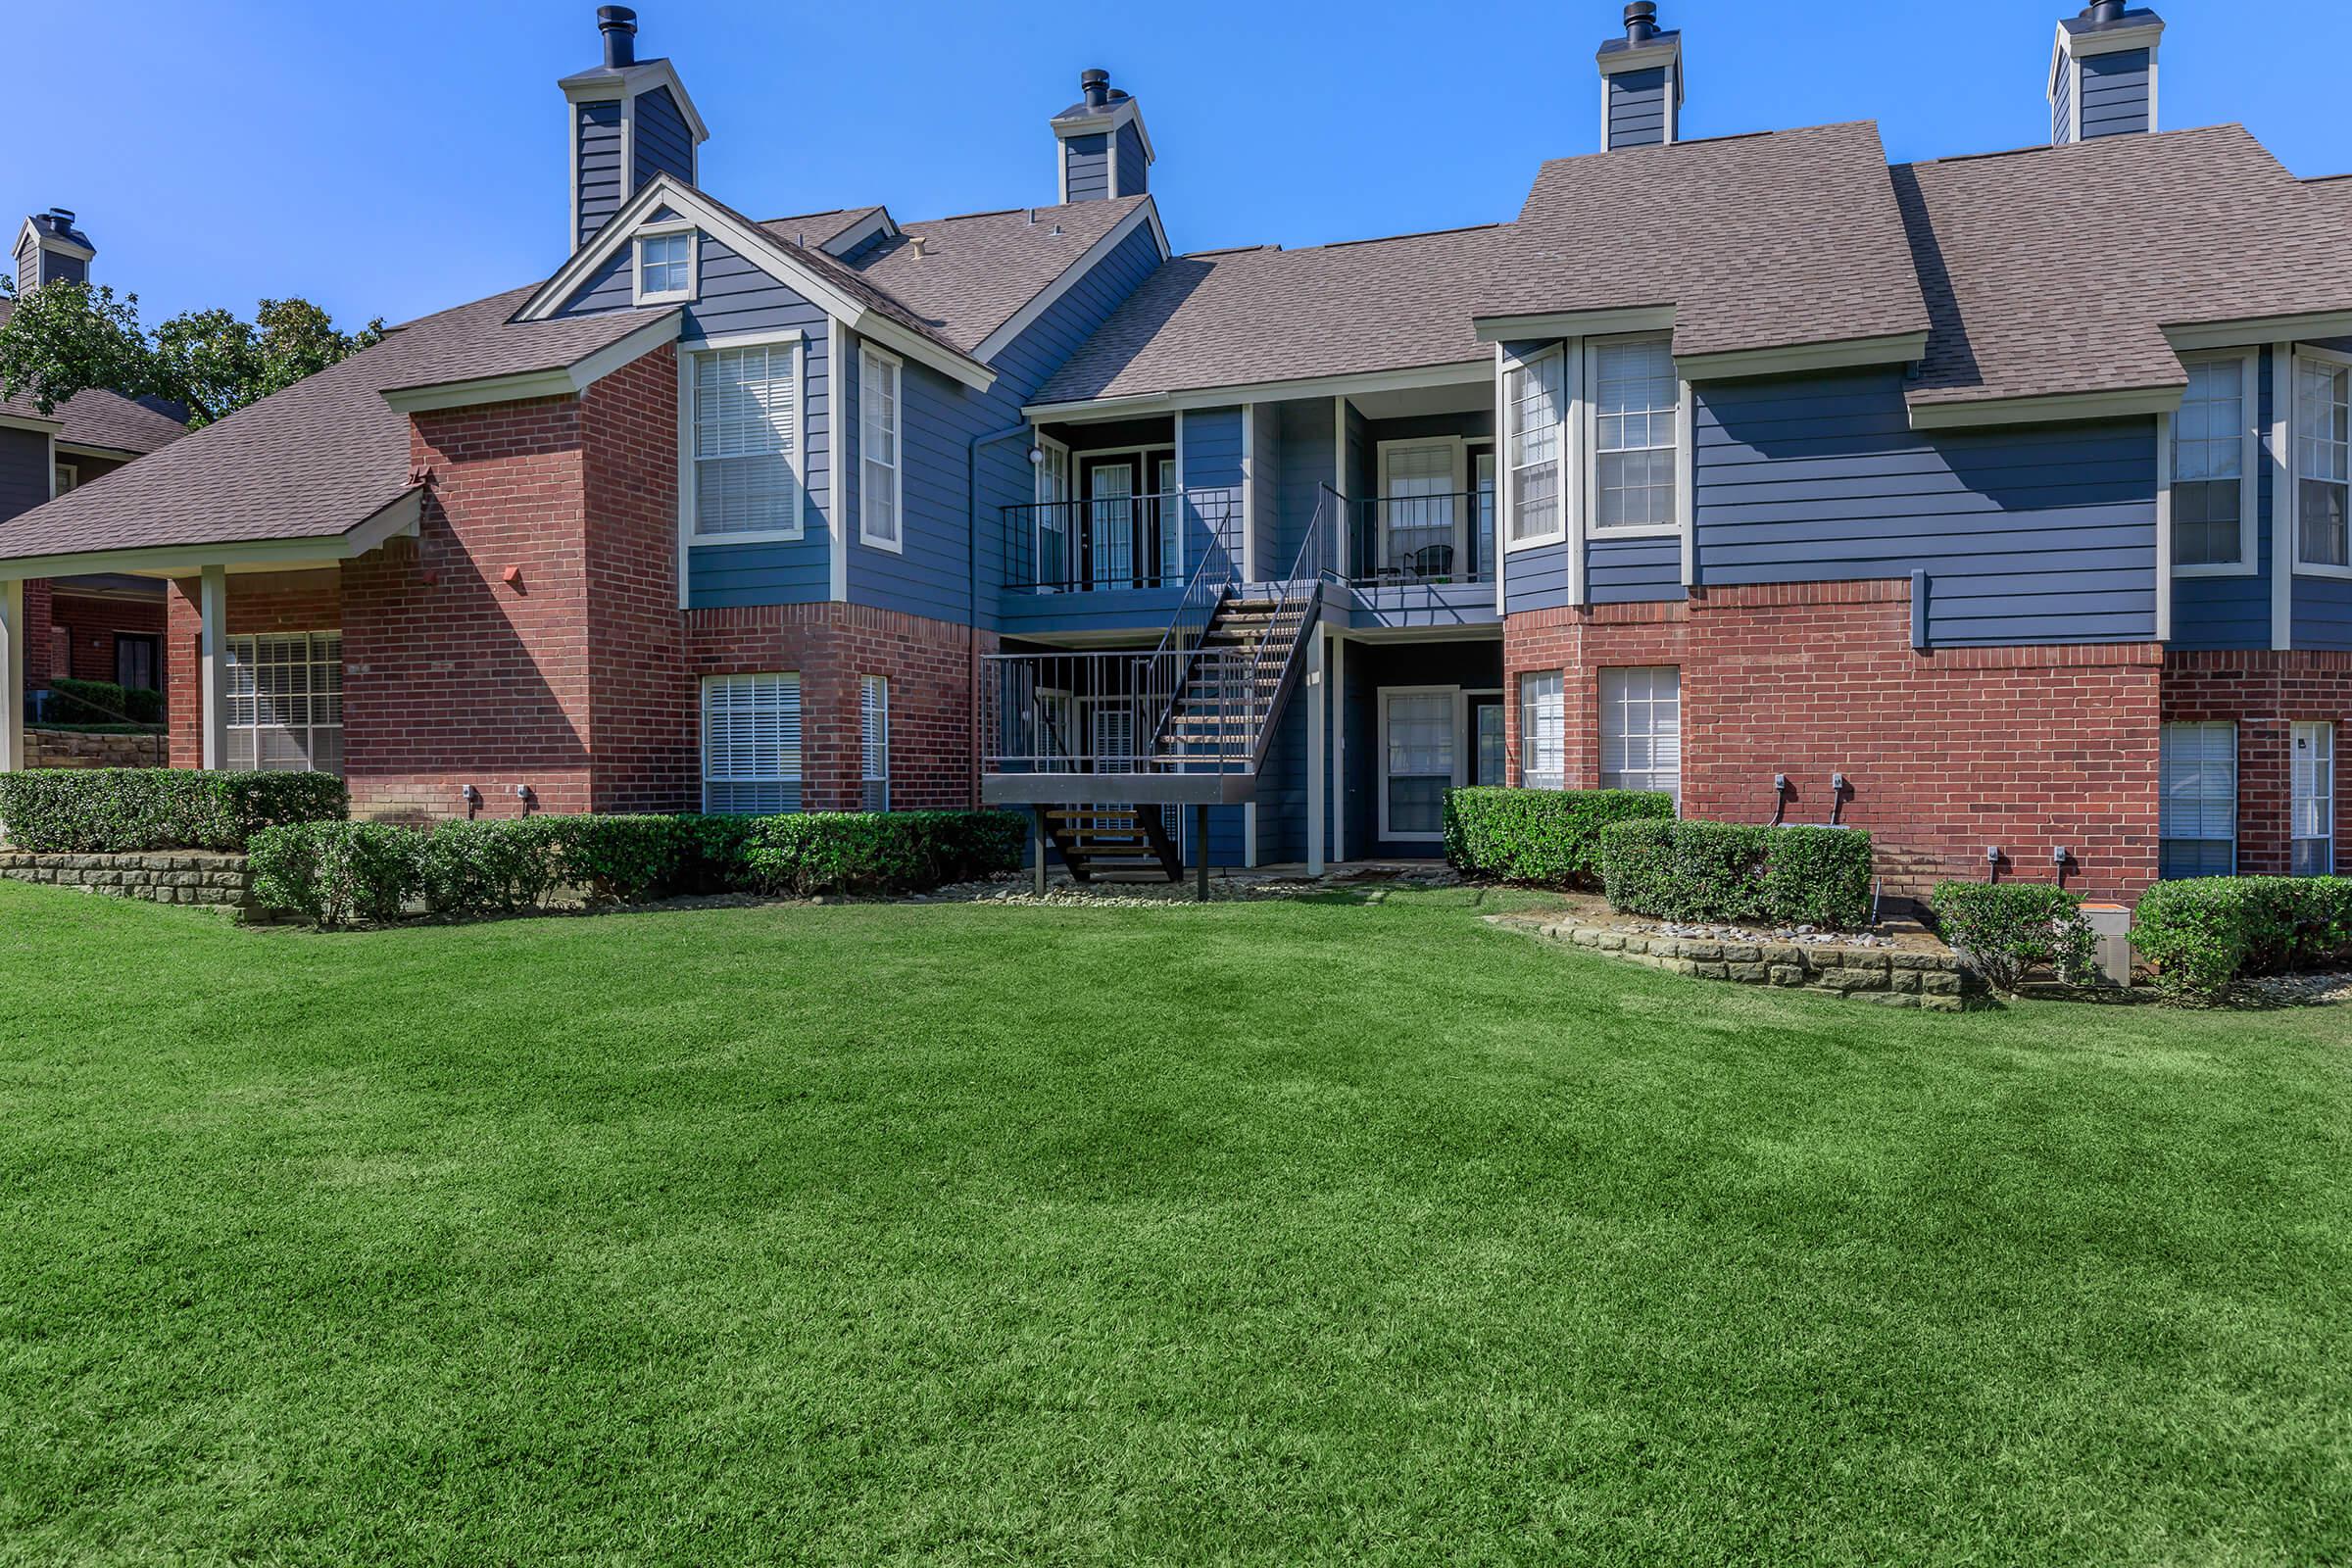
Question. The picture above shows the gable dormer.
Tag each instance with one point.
(1104, 150)
(630, 121)
(1641, 82)
(2103, 72)
(50, 249)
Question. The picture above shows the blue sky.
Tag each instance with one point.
(393, 159)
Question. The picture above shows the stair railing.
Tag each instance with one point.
(1300, 602)
(1175, 664)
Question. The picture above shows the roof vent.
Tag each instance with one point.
(58, 219)
(1640, 22)
(618, 25)
(2104, 10)
(917, 243)
(1095, 87)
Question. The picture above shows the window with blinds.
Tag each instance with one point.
(2313, 786)
(745, 443)
(1532, 401)
(873, 735)
(2211, 437)
(2197, 816)
(751, 744)
(878, 486)
(1636, 408)
(285, 701)
(1641, 730)
(1418, 738)
(1544, 732)
(2322, 463)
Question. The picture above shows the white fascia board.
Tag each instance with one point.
(2254, 331)
(1110, 119)
(400, 515)
(2111, 40)
(1665, 52)
(84, 449)
(1893, 348)
(1470, 372)
(32, 422)
(602, 84)
(877, 222)
(553, 384)
(998, 341)
(763, 251)
(2118, 405)
(1575, 323)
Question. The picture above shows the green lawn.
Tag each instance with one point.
(1250, 1232)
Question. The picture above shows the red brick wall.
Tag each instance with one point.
(258, 602)
(1947, 752)
(89, 624)
(40, 661)
(2266, 694)
(929, 663)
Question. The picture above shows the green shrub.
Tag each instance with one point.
(860, 851)
(333, 872)
(1549, 838)
(1739, 873)
(492, 867)
(623, 857)
(102, 702)
(2203, 935)
(713, 850)
(2003, 930)
(105, 810)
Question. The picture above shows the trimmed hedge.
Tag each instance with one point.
(2203, 935)
(102, 702)
(2005, 929)
(1732, 872)
(473, 868)
(1547, 838)
(120, 810)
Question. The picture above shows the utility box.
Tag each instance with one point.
(2110, 926)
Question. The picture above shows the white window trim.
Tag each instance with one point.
(2238, 785)
(701, 699)
(2295, 467)
(868, 355)
(2295, 732)
(1589, 429)
(243, 652)
(642, 295)
(1526, 737)
(1458, 449)
(1600, 729)
(1461, 726)
(73, 476)
(688, 532)
(2249, 477)
(1507, 514)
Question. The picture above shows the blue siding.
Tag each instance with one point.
(1088, 160)
(597, 143)
(23, 471)
(1475, 664)
(664, 143)
(1638, 108)
(2062, 108)
(1622, 571)
(1266, 490)
(2235, 612)
(1307, 463)
(1535, 578)
(1134, 171)
(2321, 606)
(933, 574)
(2029, 536)
(2114, 94)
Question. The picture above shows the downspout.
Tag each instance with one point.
(971, 490)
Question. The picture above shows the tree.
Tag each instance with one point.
(62, 338)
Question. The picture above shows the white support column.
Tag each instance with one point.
(1338, 682)
(1319, 704)
(213, 666)
(11, 675)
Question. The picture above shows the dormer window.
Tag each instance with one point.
(665, 266)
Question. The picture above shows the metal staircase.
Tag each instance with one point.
(1189, 723)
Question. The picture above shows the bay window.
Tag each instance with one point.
(2322, 461)
(752, 744)
(1641, 730)
(873, 734)
(2314, 788)
(2197, 816)
(2216, 459)
(1636, 415)
(1533, 400)
(1543, 730)
(746, 440)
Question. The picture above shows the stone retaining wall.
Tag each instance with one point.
(65, 748)
(165, 876)
(1933, 981)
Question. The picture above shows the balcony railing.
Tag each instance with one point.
(1175, 710)
(1400, 540)
(1117, 542)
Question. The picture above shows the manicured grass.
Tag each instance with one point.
(1268, 1234)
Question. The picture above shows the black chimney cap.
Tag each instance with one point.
(618, 25)
(1641, 21)
(62, 216)
(2104, 10)
(1095, 86)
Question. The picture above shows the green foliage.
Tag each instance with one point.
(336, 872)
(713, 854)
(2005, 929)
(1732, 872)
(856, 852)
(65, 338)
(2203, 935)
(1550, 838)
(129, 809)
(102, 702)
(492, 867)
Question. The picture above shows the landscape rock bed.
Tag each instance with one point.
(1936, 982)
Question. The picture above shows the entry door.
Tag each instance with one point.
(1487, 740)
(1053, 563)
(135, 662)
(1110, 520)
(1168, 515)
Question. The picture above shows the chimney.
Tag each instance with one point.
(1101, 142)
(630, 122)
(618, 25)
(1641, 82)
(50, 249)
(2103, 72)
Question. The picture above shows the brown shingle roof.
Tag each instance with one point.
(100, 418)
(318, 459)
(1236, 317)
(2050, 272)
(1759, 242)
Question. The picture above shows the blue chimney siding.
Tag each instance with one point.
(2114, 94)
(1637, 108)
(1088, 160)
(1133, 170)
(2062, 108)
(599, 168)
(664, 142)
